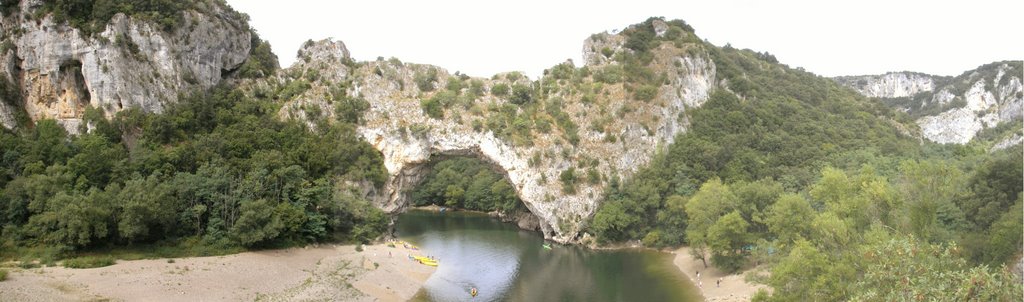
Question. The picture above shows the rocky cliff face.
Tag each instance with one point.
(616, 134)
(950, 110)
(890, 85)
(59, 71)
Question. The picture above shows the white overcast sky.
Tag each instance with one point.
(481, 38)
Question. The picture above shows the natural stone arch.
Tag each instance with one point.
(408, 158)
(625, 140)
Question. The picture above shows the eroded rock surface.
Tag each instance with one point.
(131, 62)
(951, 109)
(616, 134)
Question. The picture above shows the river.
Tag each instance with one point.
(508, 264)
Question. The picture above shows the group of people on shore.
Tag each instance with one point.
(700, 283)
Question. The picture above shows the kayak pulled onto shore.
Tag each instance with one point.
(425, 260)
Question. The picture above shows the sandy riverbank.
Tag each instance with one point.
(733, 287)
(329, 272)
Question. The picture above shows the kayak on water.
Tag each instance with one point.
(547, 246)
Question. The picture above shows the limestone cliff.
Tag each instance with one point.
(576, 122)
(951, 109)
(59, 70)
(890, 85)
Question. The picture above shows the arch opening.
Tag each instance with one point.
(465, 180)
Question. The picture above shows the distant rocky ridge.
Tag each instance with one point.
(951, 109)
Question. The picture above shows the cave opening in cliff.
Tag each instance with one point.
(74, 90)
(468, 182)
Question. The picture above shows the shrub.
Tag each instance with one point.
(433, 108)
(454, 84)
(646, 93)
(610, 75)
(607, 52)
(593, 177)
(425, 81)
(500, 89)
(476, 88)
(521, 94)
(262, 61)
(3, 274)
(513, 76)
(568, 179)
(89, 262)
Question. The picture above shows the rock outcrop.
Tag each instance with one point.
(890, 85)
(601, 133)
(950, 110)
(131, 62)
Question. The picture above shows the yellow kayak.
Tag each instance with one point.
(429, 262)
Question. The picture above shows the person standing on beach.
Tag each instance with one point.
(719, 284)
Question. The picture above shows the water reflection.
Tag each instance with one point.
(508, 264)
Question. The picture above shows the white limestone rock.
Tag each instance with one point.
(993, 95)
(130, 63)
(890, 85)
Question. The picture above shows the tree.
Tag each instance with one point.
(147, 206)
(831, 232)
(672, 221)
(797, 276)
(70, 221)
(754, 198)
(257, 223)
(613, 222)
(46, 143)
(787, 219)
(96, 159)
(1004, 237)
(905, 269)
(833, 188)
(703, 209)
(995, 185)
(727, 239)
(925, 186)
(453, 196)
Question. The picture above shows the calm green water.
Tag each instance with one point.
(508, 264)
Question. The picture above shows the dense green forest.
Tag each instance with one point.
(467, 183)
(214, 172)
(818, 184)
